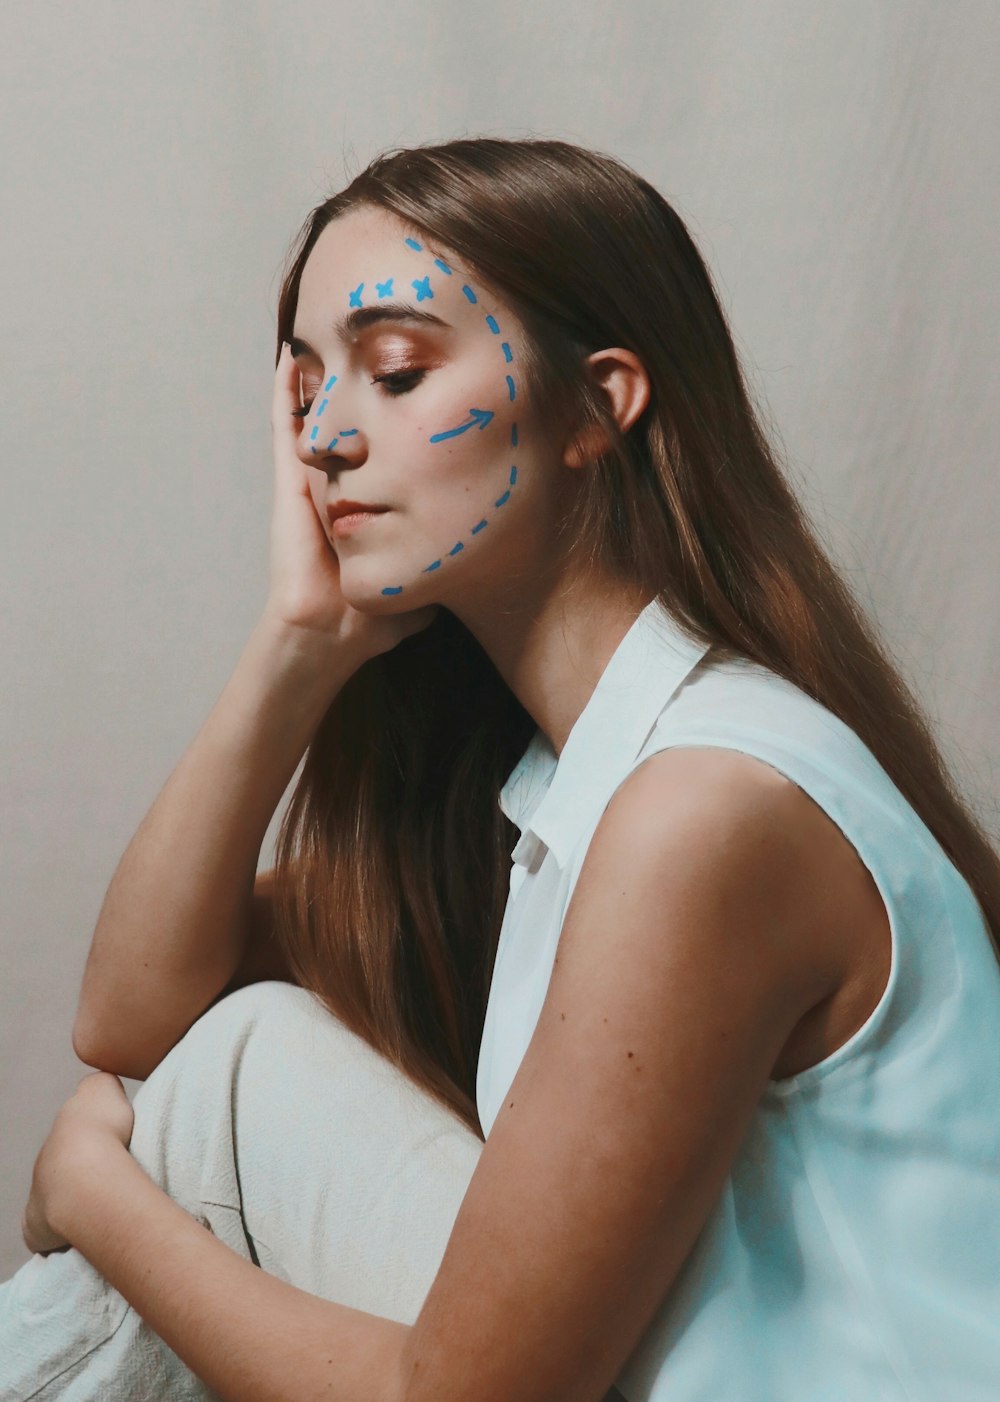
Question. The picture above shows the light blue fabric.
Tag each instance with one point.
(854, 1252)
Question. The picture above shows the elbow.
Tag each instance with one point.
(96, 1051)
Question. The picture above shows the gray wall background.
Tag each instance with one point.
(837, 163)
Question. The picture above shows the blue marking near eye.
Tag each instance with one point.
(347, 432)
(330, 382)
(423, 286)
(503, 498)
(469, 293)
(398, 590)
(356, 295)
(491, 322)
(413, 244)
(510, 386)
(513, 435)
(443, 266)
(315, 450)
(477, 528)
(322, 407)
(436, 565)
(513, 475)
(331, 445)
(508, 354)
(315, 431)
(456, 548)
(384, 289)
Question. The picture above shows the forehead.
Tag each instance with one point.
(368, 255)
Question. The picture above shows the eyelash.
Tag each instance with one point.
(414, 376)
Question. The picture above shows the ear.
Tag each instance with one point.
(621, 376)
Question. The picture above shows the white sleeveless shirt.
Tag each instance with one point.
(854, 1252)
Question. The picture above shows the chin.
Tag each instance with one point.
(362, 583)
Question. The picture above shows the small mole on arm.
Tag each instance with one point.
(631, 1053)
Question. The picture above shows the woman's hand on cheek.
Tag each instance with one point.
(93, 1126)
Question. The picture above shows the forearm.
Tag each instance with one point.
(176, 915)
(248, 1335)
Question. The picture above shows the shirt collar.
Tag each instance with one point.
(551, 797)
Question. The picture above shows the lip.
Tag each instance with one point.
(347, 516)
(346, 507)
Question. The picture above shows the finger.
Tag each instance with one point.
(286, 396)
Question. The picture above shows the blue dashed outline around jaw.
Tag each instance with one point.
(423, 290)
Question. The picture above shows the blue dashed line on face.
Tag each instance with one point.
(479, 417)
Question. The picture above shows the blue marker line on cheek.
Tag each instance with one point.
(330, 383)
(469, 293)
(443, 266)
(322, 407)
(513, 435)
(508, 354)
(510, 386)
(491, 322)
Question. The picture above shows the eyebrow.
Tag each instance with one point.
(361, 317)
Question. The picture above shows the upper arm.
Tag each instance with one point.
(683, 964)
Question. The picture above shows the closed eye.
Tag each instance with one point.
(396, 383)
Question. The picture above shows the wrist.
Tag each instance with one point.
(81, 1175)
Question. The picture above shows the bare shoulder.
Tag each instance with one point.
(767, 845)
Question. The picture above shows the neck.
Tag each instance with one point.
(551, 649)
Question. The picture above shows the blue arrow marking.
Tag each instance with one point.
(479, 416)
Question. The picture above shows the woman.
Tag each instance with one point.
(728, 1023)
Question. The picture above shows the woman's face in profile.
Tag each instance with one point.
(411, 369)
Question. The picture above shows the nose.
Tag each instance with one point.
(329, 440)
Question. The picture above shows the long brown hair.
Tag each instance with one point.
(393, 856)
